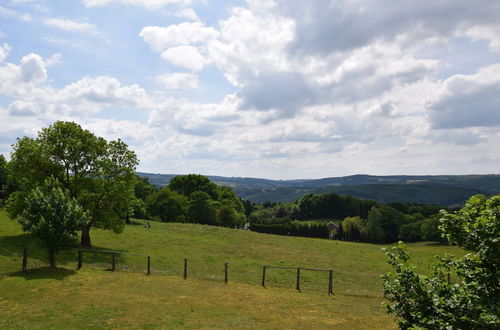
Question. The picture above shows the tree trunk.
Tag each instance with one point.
(53, 253)
(85, 241)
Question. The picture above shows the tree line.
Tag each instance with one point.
(357, 219)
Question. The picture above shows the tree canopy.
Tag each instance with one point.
(98, 174)
(471, 299)
(52, 216)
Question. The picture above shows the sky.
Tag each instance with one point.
(278, 89)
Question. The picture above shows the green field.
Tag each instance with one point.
(97, 298)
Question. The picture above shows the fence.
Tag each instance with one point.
(126, 261)
(299, 269)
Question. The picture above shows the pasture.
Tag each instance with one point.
(97, 298)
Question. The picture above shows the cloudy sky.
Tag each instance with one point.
(262, 88)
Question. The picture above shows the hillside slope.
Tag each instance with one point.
(127, 298)
(446, 190)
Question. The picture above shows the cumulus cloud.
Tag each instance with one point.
(468, 101)
(178, 81)
(33, 69)
(185, 56)
(23, 79)
(4, 52)
(149, 4)
(21, 108)
(487, 32)
(70, 25)
(195, 118)
(28, 84)
(54, 59)
(182, 44)
(187, 13)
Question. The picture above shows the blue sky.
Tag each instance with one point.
(277, 89)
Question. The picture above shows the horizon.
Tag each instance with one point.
(327, 177)
(275, 89)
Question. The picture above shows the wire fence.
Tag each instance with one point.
(200, 267)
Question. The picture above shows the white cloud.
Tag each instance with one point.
(70, 25)
(4, 52)
(103, 91)
(468, 101)
(178, 81)
(23, 79)
(10, 13)
(55, 59)
(149, 4)
(187, 13)
(28, 84)
(487, 32)
(185, 56)
(33, 69)
(188, 33)
(21, 108)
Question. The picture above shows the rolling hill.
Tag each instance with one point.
(446, 190)
(127, 298)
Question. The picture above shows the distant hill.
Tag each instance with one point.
(446, 190)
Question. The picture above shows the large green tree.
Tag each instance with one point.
(190, 183)
(471, 299)
(98, 174)
(167, 205)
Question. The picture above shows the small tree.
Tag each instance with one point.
(52, 216)
(470, 302)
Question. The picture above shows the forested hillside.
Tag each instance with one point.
(446, 190)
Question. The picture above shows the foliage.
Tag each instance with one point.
(167, 205)
(469, 302)
(188, 184)
(98, 174)
(51, 215)
(411, 232)
(228, 217)
(332, 206)
(3, 172)
(201, 208)
(429, 229)
(352, 227)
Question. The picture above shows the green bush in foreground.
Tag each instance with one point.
(469, 302)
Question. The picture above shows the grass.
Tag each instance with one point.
(92, 297)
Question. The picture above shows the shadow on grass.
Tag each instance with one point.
(45, 273)
(13, 245)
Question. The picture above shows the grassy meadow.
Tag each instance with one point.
(97, 298)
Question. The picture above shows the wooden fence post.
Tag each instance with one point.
(298, 279)
(149, 265)
(330, 282)
(113, 261)
(25, 260)
(80, 259)
(225, 273)
(264, 276)
(185, 268)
